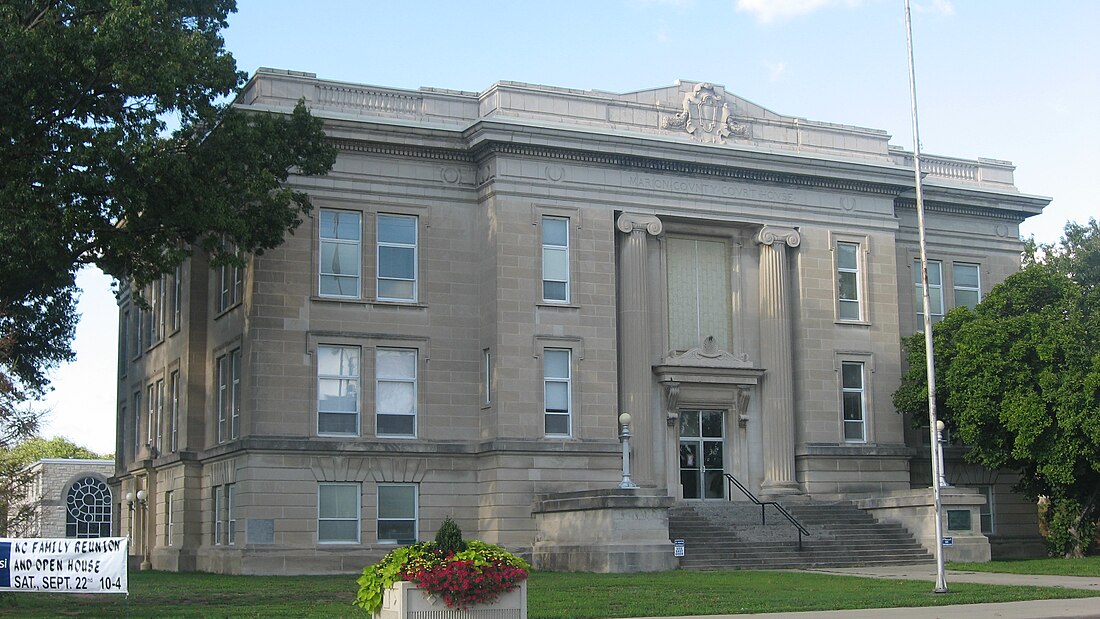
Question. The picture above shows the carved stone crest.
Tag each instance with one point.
(705, 116)
(708, 355)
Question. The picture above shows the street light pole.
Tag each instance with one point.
(941, 580)
(624, 424)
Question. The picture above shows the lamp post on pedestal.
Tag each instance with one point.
(624, 436)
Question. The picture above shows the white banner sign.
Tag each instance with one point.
(96, 565)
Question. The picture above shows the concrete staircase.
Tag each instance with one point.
(730, 536)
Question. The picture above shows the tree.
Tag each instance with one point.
(1018, 380)
(89, 174)
(15, 479)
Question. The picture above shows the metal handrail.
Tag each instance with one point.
(763, 506)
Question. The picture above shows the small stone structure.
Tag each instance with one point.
(72, 498)
(607, 531)
(915, 509)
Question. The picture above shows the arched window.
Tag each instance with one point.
(88, 509)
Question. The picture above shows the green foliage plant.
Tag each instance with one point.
(1018, 380)
(449, 536)
(477, 574)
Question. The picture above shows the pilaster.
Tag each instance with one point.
(777, 359)
(635, 367)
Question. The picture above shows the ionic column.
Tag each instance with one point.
(776, 356)
(635, 368)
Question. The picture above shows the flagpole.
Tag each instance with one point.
(941, 580)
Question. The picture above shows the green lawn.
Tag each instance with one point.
(1088, 566)
(163, 595)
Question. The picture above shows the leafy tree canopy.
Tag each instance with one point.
(1018, 380)
(89, 174)
(37, 448)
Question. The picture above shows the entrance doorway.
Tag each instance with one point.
(703, 453)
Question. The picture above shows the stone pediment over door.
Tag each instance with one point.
(704, 374)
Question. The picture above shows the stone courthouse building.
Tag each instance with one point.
(487, 280)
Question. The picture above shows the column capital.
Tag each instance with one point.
(768, 235)
(629, 222)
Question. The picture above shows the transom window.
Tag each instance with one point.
(340, 253)
(338, 390)
(555, 259)
(397, 236)
(698, 293)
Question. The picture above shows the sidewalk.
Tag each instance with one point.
(1080, 608)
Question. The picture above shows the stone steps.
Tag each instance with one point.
(730, 536)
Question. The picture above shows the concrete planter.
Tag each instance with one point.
(404, 600)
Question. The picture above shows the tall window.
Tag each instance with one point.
(935, 289)
(88, 509)
(231, 514)
(338, 390)
(137, 422)
(555, 259)
(157, 434)
(698, 293)
(177, 297)
(151, 419)
(155, 323)
(138, 322)
(968, 288)
(397, 257)
(230, 284)
(174, 412)
(218, 511)
(985, 512)
(340, 234)
(556, 379)
(228, 370)
(848, 281)
(169, 518)
(395, 391)
(123, 343)
(486, 376)
(338, 513)
(397, 513)
(853, 401)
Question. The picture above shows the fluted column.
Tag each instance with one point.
(776, 356)
(635, 368)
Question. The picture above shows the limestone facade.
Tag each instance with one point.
(488, 279)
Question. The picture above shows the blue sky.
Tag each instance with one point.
(1004, 79)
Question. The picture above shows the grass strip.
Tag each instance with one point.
(164, 595)
(1088, 566)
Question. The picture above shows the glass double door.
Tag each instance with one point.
(703, 453)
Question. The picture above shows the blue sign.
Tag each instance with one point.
(948, 541)
(5, 564)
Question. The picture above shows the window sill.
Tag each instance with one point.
(544, 304)
(853, 323)
(369, 302)
(220, 313)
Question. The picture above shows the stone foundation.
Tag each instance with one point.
(605, 531)
(915, 510)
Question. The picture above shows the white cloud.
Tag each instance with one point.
(775, 70)
(943, 7)
(767, 11)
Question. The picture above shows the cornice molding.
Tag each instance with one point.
(964, 209)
